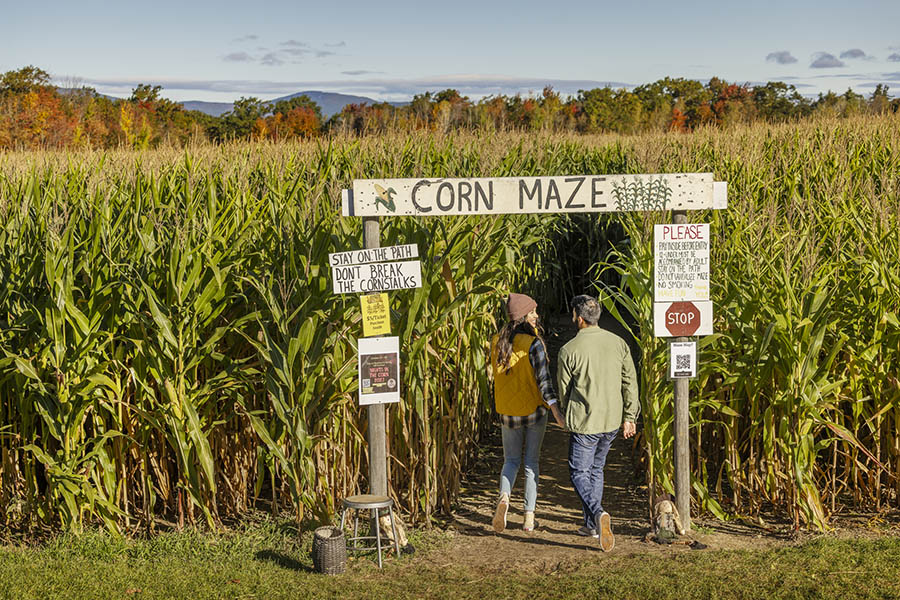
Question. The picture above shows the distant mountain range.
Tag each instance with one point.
(331, 103)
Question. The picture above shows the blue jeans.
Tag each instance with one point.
(532, 436)
(587, 457)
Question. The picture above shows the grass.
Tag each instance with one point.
(269, 560)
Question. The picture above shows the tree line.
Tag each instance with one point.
(36, 114)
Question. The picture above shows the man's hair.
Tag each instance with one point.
(587, 308)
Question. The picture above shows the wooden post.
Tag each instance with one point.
(682, 422)
(377, 442)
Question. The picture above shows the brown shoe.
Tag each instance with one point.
(607, 541)
(500, 513)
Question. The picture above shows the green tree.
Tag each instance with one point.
(880, 101)
(301, 101)
(628, 112)
(420, 109)
(854, 102)
(596, 109)
(779, 101)
(145, 93)
(238, 122)
(24, 80)
(656, 105)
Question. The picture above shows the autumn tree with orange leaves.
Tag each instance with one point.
(36, 114)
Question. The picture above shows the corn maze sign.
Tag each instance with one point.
(517, 195)
(439, 197)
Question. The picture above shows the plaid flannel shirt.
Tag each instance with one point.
(540, 364)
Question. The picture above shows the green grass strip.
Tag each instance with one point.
(268, 563)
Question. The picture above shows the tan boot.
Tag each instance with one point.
(500, 513)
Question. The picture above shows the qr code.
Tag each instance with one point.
(366, 382)
(682, 362)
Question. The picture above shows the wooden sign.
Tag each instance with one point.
(676, 319)
(519, 195)
(376, 277)
(376, 314)
(681, 262)
(379, 370)
(370, 255)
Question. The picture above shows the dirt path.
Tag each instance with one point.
(555, 544)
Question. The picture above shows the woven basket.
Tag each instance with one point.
(329, 550)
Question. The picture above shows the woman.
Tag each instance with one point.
(523, 392)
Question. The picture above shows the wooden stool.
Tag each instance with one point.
(372, 503)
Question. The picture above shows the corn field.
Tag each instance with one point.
(797, 403)
(171, 349)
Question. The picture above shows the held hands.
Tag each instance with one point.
(628, 429)
(554, 408)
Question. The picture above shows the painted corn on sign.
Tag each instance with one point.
(517, 195)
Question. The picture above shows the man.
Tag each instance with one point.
(597, 386)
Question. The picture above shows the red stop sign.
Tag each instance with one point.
(682, 318)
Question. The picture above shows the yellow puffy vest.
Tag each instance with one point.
(515, 391)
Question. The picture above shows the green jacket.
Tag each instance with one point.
(597, 382)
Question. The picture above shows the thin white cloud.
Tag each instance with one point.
(474, 86)
(842, 76)
(873, 84)
(247, 38)
(895, 57)
(380, 88)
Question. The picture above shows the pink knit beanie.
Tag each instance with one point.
(519, 305)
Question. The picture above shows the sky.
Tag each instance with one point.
(224, 50)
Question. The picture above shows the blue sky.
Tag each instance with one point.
(220, 51)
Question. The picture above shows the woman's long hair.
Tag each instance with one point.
(506, 336)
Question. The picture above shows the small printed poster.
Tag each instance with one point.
(682, 360)
(376, 314)
(379, 370)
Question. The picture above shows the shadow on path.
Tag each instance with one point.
(554, 546)
(282, 560)
(558, 512)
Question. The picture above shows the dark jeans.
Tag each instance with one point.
(587, 457)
